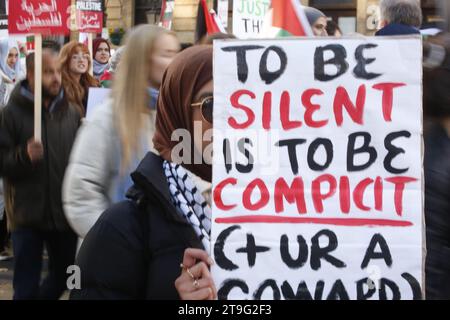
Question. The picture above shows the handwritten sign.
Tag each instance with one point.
(317, 174)
(89, 16)
(248, 17)
(39, 16)
(3, 22)
(3, 15)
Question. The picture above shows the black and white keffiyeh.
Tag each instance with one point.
(189, 201)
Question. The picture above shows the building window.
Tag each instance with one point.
(333, 4)
(147, 11)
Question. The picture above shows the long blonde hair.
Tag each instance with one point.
(129, 91)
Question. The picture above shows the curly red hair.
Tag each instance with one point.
(75, 91)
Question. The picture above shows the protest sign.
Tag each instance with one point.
(222, 12)
(3, 18)
(248, 17)
(3, 15)
(29, 40)
(89, 16)
(38, 17)
(96, 97)
(317, 173)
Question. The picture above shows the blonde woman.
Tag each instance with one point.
(120, 131)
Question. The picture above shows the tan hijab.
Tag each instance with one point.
(185, 76)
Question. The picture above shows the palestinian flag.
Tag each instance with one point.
(207, 23)
(163, 10)
(289, 18)
(166, 14)
(218, 22)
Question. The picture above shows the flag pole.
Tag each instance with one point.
(91, 48)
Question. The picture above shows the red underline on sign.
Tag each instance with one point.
(349, 222)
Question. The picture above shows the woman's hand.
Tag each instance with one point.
(195, 281)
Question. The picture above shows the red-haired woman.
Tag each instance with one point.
(75, 62)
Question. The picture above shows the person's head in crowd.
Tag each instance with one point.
(400, 17)
(13, 57)
(51, 72)
(9, 59)
(75, 62)
(317, 20)
(107, 77)
(102, 54)
(148, 51)
(209, 39)
(436, 76)
(166, 46)
(333, 29)
(186, 98)
(51, 44)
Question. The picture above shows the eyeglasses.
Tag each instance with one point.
(106, 50)
(81, 57)
(206, 108)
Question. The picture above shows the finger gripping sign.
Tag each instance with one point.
(39, 16)
(318, 188)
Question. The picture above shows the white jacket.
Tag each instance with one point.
(93, 175)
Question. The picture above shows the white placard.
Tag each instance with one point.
(96, 97)
(248, 17)
(222, 12)
(322, 193)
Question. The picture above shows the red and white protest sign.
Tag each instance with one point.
(318, 173)
(89, 16)
(39, 16)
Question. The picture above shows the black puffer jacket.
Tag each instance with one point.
(33, 192)
(437, 211)
(135, 249)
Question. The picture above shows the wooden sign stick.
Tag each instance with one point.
(38, 87)
(91, 48)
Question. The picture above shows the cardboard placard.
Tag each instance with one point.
(317, 174)
(89, 16)
(248, 17)
(39, 16)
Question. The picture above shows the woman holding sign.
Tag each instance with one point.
(75, 64)
(161, 234)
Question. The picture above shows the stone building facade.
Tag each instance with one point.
(358, 16)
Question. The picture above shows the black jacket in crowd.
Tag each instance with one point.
(135, 249)
(33, 191)
(437, 212)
